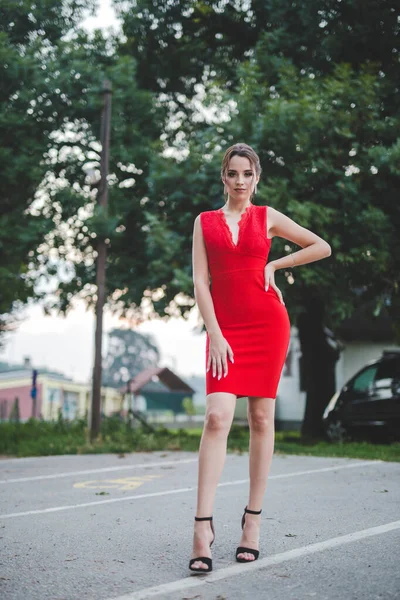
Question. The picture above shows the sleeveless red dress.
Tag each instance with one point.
(253, 321)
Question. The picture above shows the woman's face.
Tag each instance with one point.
(240, 178)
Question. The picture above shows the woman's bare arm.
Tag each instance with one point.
(219, 350)
(313, 247)
(202, 282)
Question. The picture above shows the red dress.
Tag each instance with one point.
(253, 321)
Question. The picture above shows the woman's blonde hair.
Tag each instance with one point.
(241, 149)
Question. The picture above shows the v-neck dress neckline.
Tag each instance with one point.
(243, 218)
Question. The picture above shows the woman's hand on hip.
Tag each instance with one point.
(269, 273)
(219, 350)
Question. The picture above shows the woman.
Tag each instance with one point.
(247, 339)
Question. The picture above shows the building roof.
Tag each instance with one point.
(162, 374)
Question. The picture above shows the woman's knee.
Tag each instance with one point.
(217, 420)
(260, 421)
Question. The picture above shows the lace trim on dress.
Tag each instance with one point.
(244, 217)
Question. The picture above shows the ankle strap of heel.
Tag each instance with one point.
(253, 512)
(203, 518)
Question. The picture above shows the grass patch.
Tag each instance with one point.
(43, 438)
(290, 442)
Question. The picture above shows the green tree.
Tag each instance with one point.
(50, 106)
(180, 45)
(128, 353)
(29, 34)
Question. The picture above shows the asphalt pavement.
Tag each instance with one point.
(105, 527)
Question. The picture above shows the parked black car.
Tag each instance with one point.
(369, 402)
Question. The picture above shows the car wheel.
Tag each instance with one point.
(337, 432)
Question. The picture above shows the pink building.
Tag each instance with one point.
(22, 391)
(55, 395)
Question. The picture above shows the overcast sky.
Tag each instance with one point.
(66, 344)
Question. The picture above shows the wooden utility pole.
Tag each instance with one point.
(101, 263)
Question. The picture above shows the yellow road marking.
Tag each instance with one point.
(125, 483)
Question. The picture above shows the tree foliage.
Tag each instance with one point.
(50, 109)
(29, 35)
(180, 45)
(128, 353)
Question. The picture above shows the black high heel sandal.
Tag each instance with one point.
(205, 559)
(241, 549)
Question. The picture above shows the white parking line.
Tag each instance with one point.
(141, 466)
(103, 470)
(183, 490)
(240, 569)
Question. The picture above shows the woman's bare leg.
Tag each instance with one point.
(220, 409)
(261, 415)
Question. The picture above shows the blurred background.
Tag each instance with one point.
(313, 87)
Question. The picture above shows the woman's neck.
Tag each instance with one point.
(237, 207)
